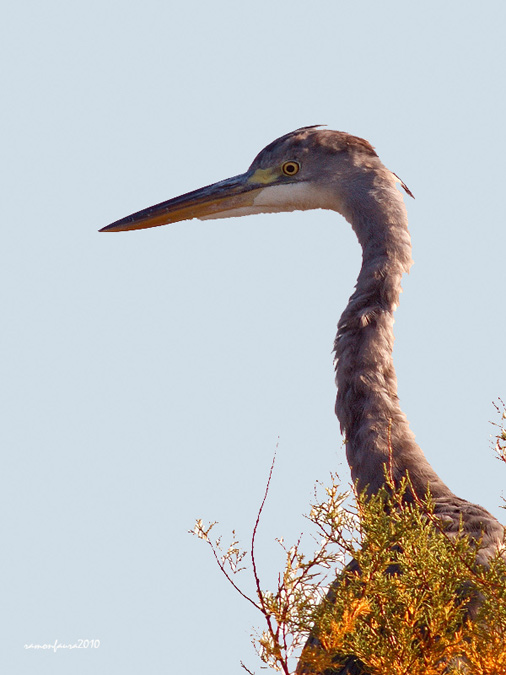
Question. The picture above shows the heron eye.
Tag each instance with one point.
(290, 168)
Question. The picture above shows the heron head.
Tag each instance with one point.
(308, 168)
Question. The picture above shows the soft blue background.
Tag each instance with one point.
(147, 376)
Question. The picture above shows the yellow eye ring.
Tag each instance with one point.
(290, 168)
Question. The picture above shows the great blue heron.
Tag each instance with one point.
(314, 168)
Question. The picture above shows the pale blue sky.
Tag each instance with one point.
(146, 376)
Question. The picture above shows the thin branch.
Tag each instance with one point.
(229, 578)
(265, 611)
(253, 536)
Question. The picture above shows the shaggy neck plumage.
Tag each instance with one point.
(376, 430)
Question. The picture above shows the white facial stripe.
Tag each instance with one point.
(275, 198)
(291, 197)
(233, 213)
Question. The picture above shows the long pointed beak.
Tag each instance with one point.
(230, 197)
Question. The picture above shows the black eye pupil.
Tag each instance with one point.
(290, 168)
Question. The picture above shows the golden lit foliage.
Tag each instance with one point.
(402, 606)
(401, 600)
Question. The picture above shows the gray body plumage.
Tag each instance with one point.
(317, 168)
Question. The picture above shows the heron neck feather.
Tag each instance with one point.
(376, 430)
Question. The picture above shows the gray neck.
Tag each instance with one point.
(376, 430)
